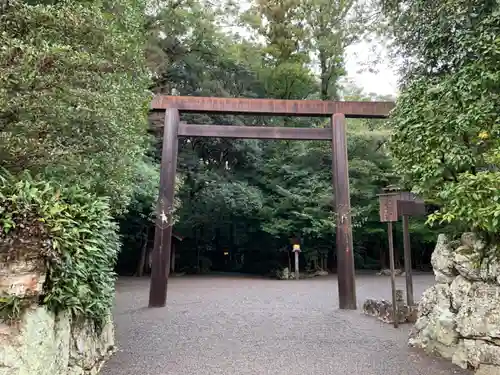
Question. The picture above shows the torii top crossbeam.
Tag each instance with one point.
(272, 107)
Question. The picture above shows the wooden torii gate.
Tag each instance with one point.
(173, 128)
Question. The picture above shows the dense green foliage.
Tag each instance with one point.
(248, 197)
(72, 231)
(447, 124)
(74, 81)
(73, 92)
(73, 112)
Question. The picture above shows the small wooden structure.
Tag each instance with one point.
(173, 106)
(394, 203)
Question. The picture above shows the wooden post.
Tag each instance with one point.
(407, 254)
(172, 262)
(345, 256)
(393, 275)
(144, 251)
(297, 265)
(160, 266)
(296, 250)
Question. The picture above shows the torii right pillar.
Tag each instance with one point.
(345, 255)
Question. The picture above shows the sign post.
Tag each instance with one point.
(296, 250)
(392, 205)
(413, 206)
(389, 214)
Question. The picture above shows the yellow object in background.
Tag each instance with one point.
(484, 135)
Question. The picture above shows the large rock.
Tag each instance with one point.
(459, 317)
(90, 348)
(479, 315)
(436, 297)
(38, 345)
(478, 352)
(459, 291)
(474, 262)
(435, 328)
(488, 370)
(46, 344)
(442, 261)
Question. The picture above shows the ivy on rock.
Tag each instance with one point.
(73, 232)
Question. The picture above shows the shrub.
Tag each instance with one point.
(73, 92)
(447, 119)
(73, 231)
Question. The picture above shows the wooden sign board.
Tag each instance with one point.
(411, 208)
(409, 197)
(392, 203)
(388, 207)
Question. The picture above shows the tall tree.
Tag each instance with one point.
(331, 26)
(73, 103)
(447, 118)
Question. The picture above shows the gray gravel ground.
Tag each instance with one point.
(246, 325)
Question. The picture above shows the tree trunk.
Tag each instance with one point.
(144, 251)
(172, 261)
(325, 81)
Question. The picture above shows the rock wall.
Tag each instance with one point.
(45, 344)
(459, 317)
(42, 343)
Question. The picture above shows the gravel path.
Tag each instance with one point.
(234, 325)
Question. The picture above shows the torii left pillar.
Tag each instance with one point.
(162, 250)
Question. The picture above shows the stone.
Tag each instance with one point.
(321, 273)
(387, 272)
(480, 316)
(43, 343)
(283, 274)
(445, 332)
(382, 310)
(473, 261)
(442, 260)
(459, 291)
(22, 277)
(468, 239)
(459, 317)
(435, 297)
(38, 345)
(88, 348)
(465, 262)
(481, 352)
(441, 278)
(459, 358)
(488, 370)
(434, 330)
(412, 314)
(399, 296)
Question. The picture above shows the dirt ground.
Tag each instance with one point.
(248, 325)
